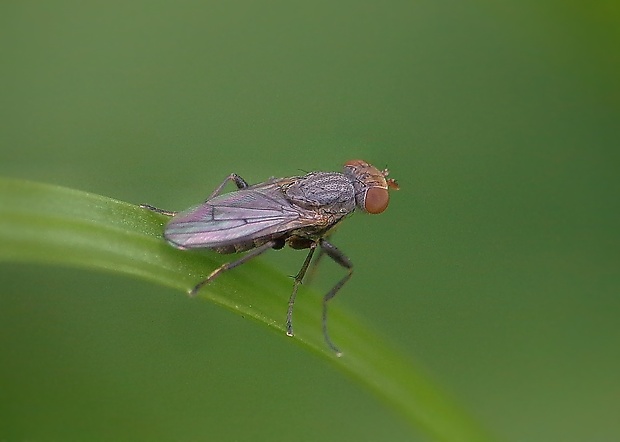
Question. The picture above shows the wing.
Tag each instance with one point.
(244, 215)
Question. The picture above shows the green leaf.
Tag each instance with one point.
(50, 224)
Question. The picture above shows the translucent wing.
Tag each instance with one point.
(243, 215)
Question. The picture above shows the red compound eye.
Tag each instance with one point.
(377, 199)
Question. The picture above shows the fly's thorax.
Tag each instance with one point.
(328, 192)
(370, 184)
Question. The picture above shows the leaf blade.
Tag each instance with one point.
(42, 223)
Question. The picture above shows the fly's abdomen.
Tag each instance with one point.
(244, 246)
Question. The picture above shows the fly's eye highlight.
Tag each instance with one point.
(376, 200)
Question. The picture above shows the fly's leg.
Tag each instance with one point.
(157, 210)
(231, 265)
(239, 182)
(335, 254)
(298, 279)
(314, 265)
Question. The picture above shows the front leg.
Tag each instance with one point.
(334, 253)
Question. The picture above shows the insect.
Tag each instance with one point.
(299, 211)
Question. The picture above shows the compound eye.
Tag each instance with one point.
(376, 200)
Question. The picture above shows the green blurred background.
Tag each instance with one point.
(496, 267)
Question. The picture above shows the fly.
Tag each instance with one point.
(298, 211)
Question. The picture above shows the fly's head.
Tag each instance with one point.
(371, 185)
